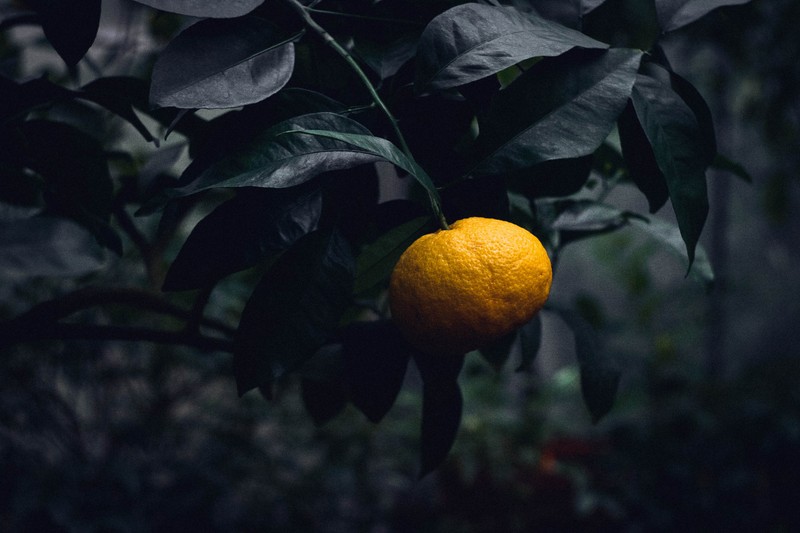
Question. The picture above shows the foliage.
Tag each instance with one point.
(289, 113)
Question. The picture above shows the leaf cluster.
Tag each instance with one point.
(512, 110)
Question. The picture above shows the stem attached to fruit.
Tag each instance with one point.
(304, 13)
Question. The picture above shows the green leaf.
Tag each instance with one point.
(277, 159)
(669, 235)
(727, 165)
(375, 359)
(600, 373)
(205, 8)
(640, 159)
(561, 108)
(385, 150)
(674, 14)
(680, 150)
(294, 309)
(244, 60)
(240, 233)
(472, 41)
(377, 259)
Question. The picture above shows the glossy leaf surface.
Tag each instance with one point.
(561, 108)
(681, 152)
(222, 63)
(205, 8)
(278, 159)
(472, 41)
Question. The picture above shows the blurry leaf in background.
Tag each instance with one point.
(561, 108)
(76, 180)
(32, 244)
(294, 309)
(222, 63)
(669, 235)
(241, 232)
(205, 8)
(472, 41)
(674, 14)
(599, 371)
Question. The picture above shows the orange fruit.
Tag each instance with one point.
(459, 289)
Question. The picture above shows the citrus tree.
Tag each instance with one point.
(308, 144)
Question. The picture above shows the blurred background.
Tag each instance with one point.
(705, 434)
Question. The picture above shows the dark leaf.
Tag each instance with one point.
(472, 41)
(557, 177)
(580, 218)
(499, 351)
(294, 309)
(375, 359)
(18, 99)
(680, 150)
(381, 148)
(442, 405)
(118, 94)
(241, 232)
(723, 163)
(222, 63)
(75, 171)
(674, 14)
(562, 108)
(386, 60)
(205, 8)
(36, 245)
(277, 159)
(70, 25)
(377, 259)
(600, 373)
(530, 336)
(323, 399)
(640, 159)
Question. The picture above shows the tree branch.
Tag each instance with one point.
(63, 306)
(14, 332)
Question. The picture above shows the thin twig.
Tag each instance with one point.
(13, 333)
(304, 12)
(87, 297)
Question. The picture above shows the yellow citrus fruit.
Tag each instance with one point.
(459, 289)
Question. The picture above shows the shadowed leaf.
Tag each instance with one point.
(293, 310)
(222, 63)
(472, 41)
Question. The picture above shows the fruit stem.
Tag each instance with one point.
(304, 12)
